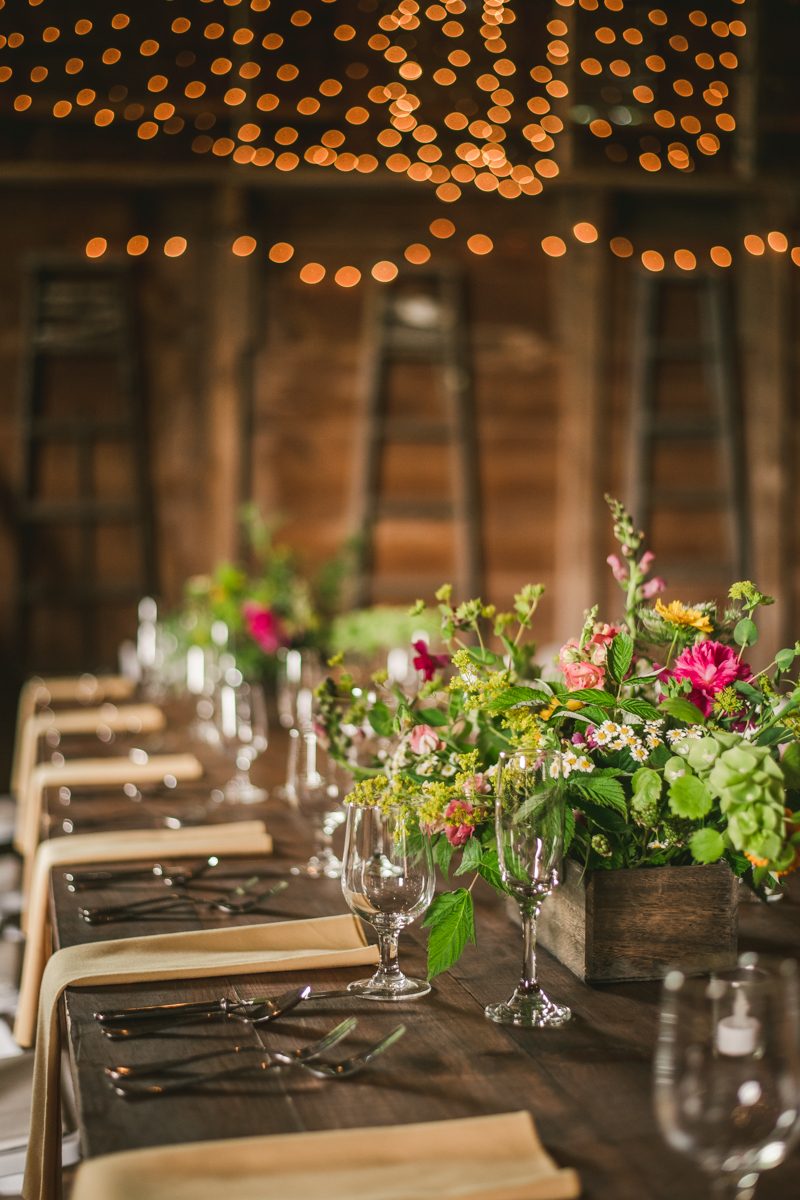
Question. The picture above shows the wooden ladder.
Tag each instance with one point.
(419, 318)
(654, 426)
(84, 461)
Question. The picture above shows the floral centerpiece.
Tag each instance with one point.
(264, 605)
(673, 752)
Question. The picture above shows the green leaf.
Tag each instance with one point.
(689, 797)
(647, 784)
(489, 869)
(620, 654)
(784, 659)
(430, 716)
(790, 764)
(747, 689)
(683, 710)
(569, 828)
(592, 714)
(607, 819)
(745, 633)
(483, 657)
(451, 920)
(706, 845)
(515, 695)
(444, 853)
(771, 737)
(471, 857)
(660, 755)
(602, 791)
(381, 719)
(639, 708)
(593, 696)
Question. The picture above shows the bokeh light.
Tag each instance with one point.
(754, 244)
(384, 271)
(312, 273)
(621, 247)
(554, 246)
(281, 252)
(778, 241)
(685, 260)
(174, 247)
(417, 253)
(137, 245)
(347, 276)
(243, 246)
(442, 228)
(721, 256)
(95, 247)
(585, 232)
(652, 260)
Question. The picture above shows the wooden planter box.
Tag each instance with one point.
(617, 925)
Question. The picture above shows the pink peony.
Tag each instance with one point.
(427, 662)
(423, 740)
(457, 835)
(709, 667)
(581, 675)
(264, 626)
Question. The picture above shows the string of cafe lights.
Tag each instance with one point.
(486, 165)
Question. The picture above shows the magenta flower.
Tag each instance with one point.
(653, 587)
(709, 667)
(620, 571)
(264, 626)
(427, 662)
(457, 835)
(646, 561)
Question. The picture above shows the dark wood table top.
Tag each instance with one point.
(587, 1085)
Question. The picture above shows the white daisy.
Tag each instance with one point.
(584, 764)
(639, 753)
(653, 741)
(605, 732)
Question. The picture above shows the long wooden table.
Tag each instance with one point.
(588, 1085)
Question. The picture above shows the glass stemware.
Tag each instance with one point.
(727, 1071)
(529, 821)
(388, 880)
(313, 787)
(240, 713)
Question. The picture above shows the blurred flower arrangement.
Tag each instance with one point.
(673, 752)
(263, 607)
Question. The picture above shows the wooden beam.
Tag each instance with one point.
(764, 288)
(580, 280)
(229, 342)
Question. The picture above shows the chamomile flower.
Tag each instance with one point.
(695, 732)
(627, 736)
(675, 735)
(605, 732)
(584, 764)
(639, 753)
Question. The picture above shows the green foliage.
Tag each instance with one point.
(381, 719)
(620, 655)
(366, 631)
(639, 708)
(689, 797)
(514, 695)
(451, 920)
(444, 853)
(602, 791)
(707, 845)
(745, 632)
(683, 710)
(790, 765)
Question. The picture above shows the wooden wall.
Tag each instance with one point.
(232, 345)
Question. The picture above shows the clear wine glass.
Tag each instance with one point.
(529, 820)
(313, 787)
(388, 880)
(727, 1071)
(240, 713)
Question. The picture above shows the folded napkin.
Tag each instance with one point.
(131, 718)
(200, 954)
(477, 1158)
(240, 837)
(95, 772)
(93, 689)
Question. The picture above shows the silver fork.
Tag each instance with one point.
(126, 1085)
(148, 1070)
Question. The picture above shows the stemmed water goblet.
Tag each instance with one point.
(727, 1071)
(529, 821)
(313, 787)
(240, 714)
(387, 880)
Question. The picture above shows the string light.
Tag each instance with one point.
(95, 247)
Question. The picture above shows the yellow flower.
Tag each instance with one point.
(676, 614)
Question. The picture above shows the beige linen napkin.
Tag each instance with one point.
(90, 688)
(476, 1158)
(130, 718)
(94, 772)
(200, 954)
(240, 837)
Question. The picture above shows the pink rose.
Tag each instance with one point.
(478, 784)
(457, 835)
(423, 740)
(709, 667)
(581, 675)
(570, 652)
(264, 626)
(434, 827)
